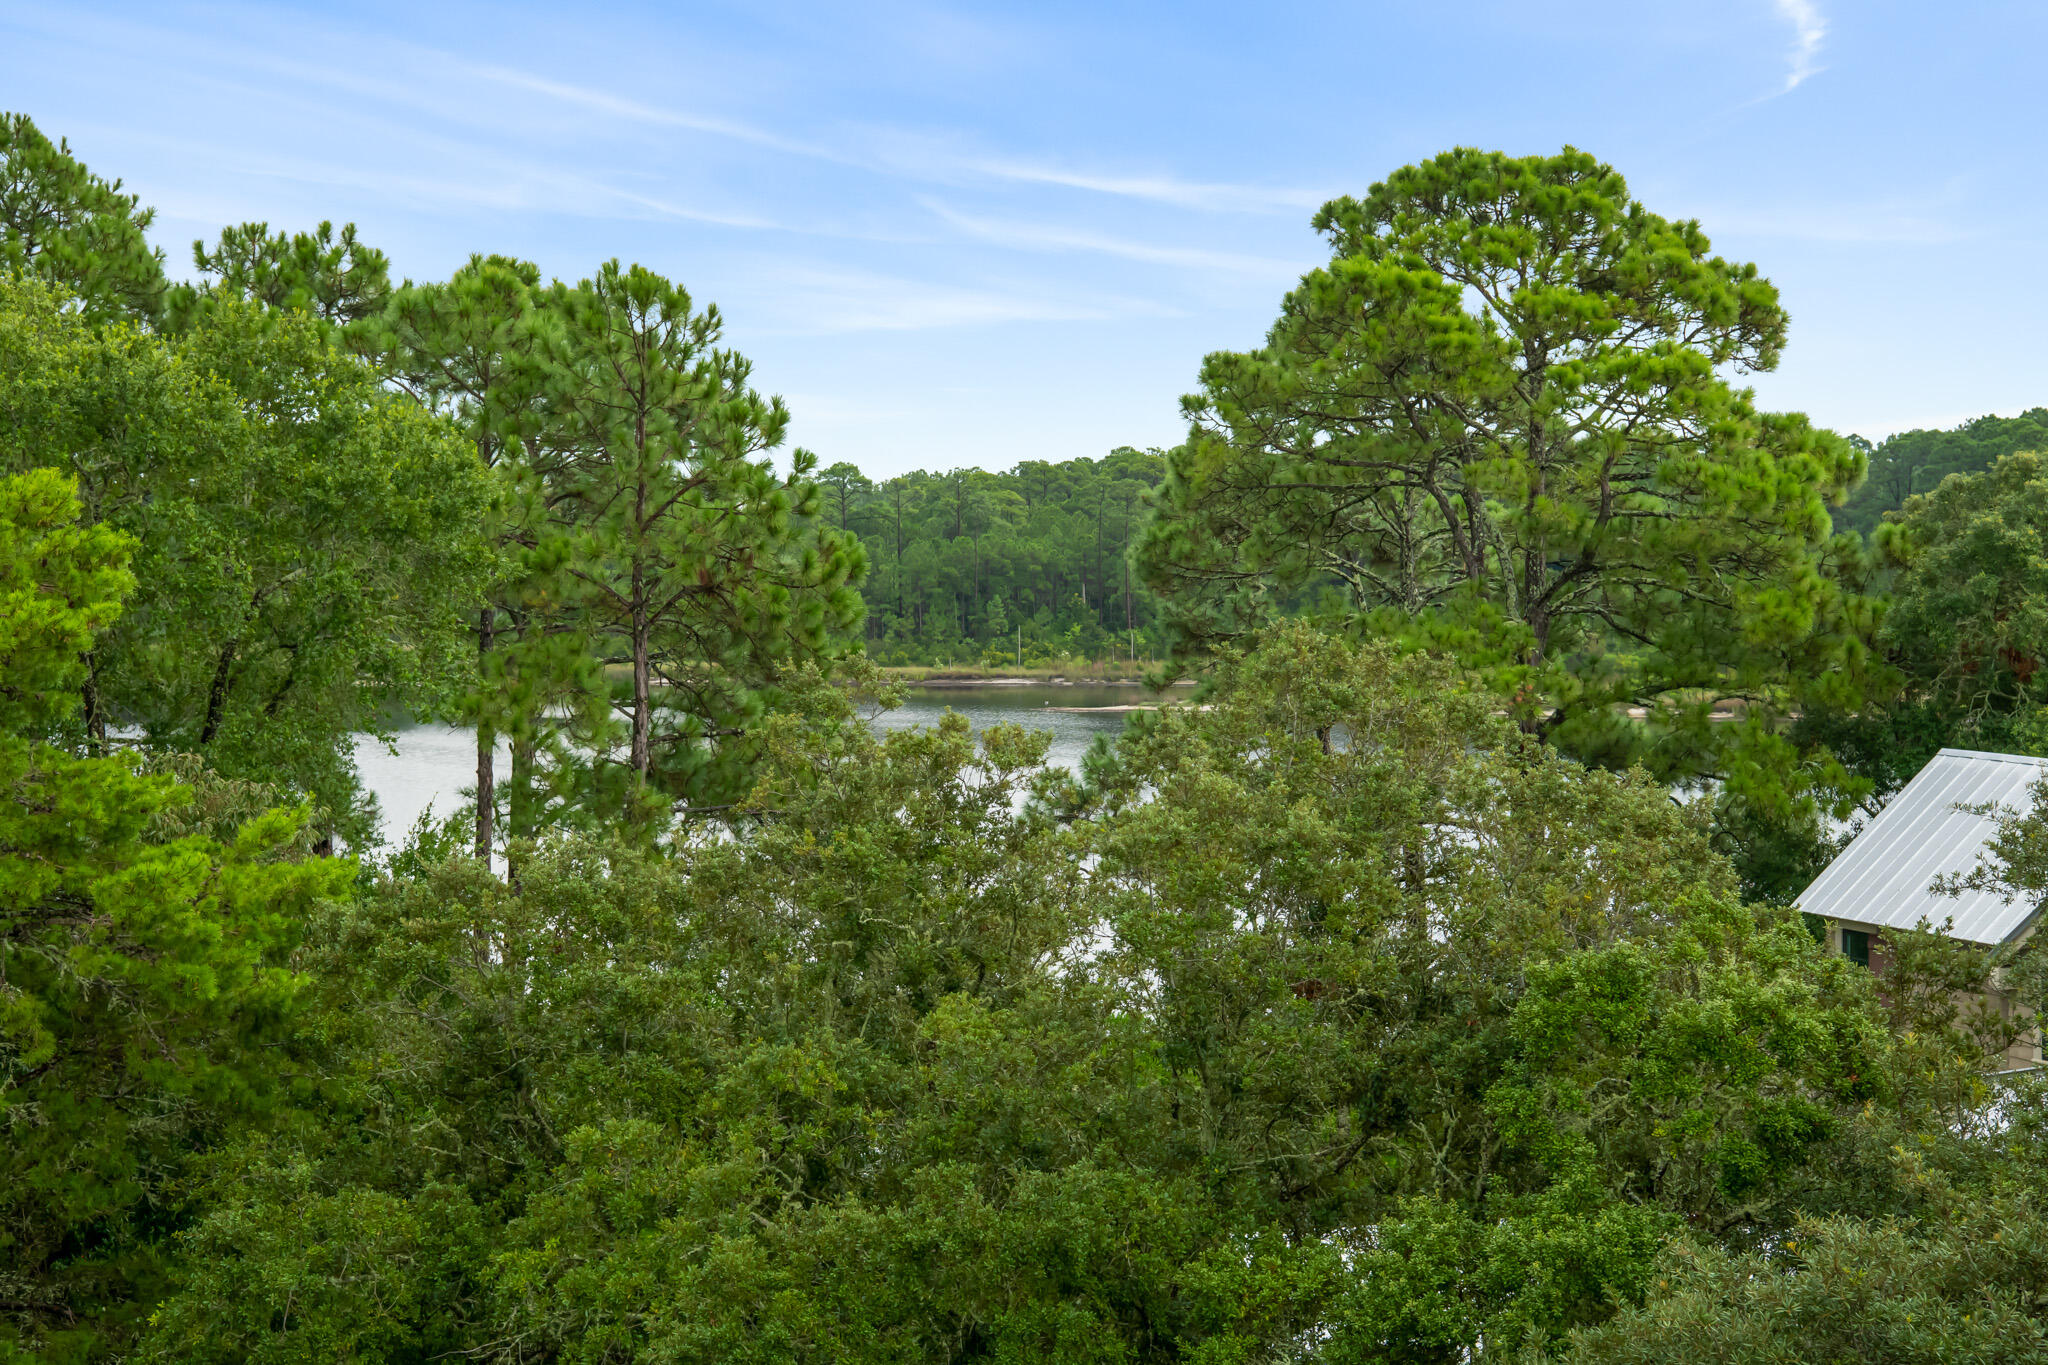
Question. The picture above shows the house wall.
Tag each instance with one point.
(2025, 1050)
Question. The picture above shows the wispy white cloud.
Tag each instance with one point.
(1053, 238)
(634, 111)
(450, 176)
(821, 301)
(1808, 29)
(1160, 189)
(683, 213)
(440, 83)
(912, 158)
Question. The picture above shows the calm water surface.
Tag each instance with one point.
(436, 763)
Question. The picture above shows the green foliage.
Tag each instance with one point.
(1913, 462)
(472, 348)
(1445, 999)
(699, 570)
(306, 542)
(1501, 420)
(60, 585)
(1962, 1282)
(1965, 635)
(62, 224)
(1344, 1017)
(369, 1275)
(1437, 1282)
(337, 279)
(141, 975)
(1969, 617)
(1326, 1028)
(1050, 541)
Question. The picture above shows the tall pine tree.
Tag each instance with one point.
(1502, 422)
(469, 348)
(705, 571)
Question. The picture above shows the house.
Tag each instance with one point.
(1936, 826)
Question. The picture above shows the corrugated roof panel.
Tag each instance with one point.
(1883, 876)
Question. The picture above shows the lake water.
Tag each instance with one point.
(434, 763)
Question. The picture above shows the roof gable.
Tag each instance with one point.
(1883, 876)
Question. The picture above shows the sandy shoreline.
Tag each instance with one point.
(1097, 710)
(940, 683)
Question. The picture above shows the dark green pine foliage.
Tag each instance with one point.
(1502, 422)
(61, 223)
(339, 279)
(469, 348)
(701, 572)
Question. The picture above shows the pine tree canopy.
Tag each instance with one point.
(61, 223)
(1503, 422)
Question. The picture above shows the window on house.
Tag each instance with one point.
(1856, 946)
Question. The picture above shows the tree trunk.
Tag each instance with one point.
(1130, 625)
(641, 720)
(217, 694)
(486, 752)
(640, 688)
(95, 714)
(1095, 548)
(520, 808)
(1535, 560)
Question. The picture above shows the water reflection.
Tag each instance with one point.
(435, 764)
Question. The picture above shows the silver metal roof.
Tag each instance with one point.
(1883, 875)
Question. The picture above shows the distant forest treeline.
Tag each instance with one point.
(975, 566)
(979, 566)
(1917, 461)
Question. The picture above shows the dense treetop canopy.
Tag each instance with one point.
(905, 1075)
(1024, 565)
(142, 981)
(304, 538)
(1503, 424)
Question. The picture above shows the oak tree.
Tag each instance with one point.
(308, 553)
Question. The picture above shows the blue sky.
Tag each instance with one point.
(956, 235)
